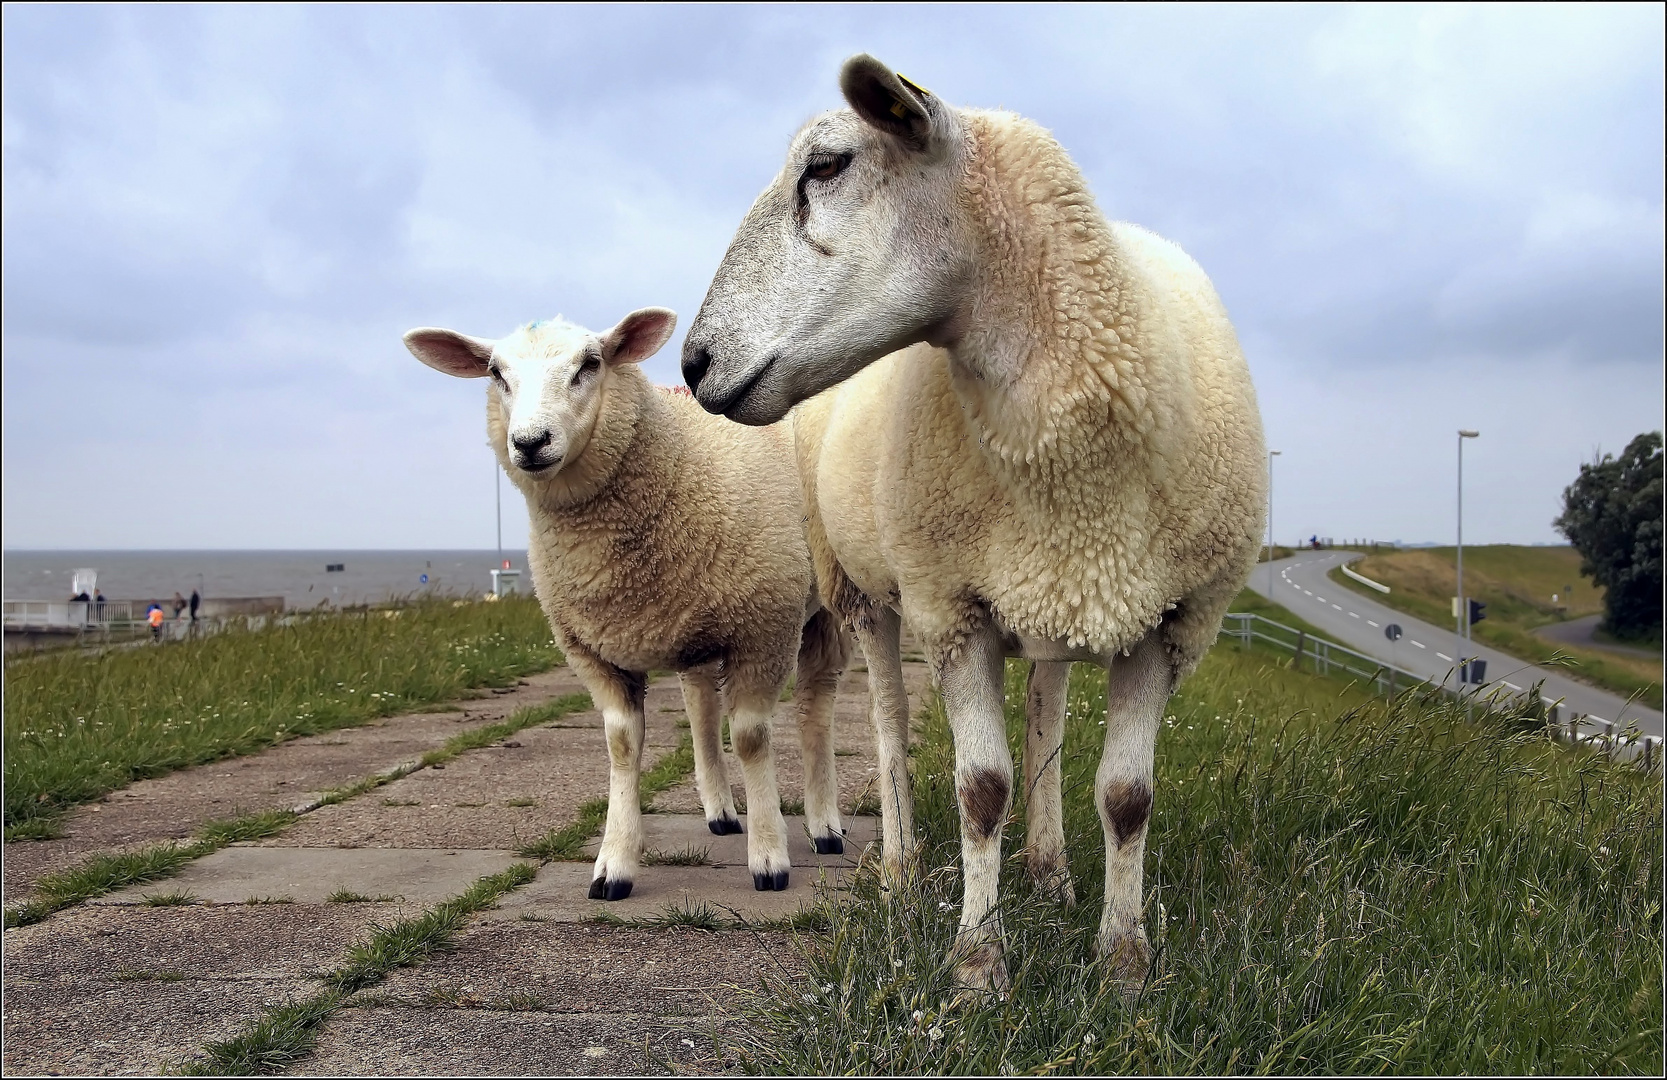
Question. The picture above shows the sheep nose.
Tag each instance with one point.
(696, 359)
(528, 446)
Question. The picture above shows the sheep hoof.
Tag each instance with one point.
(829, 845)
(776, 882)
(724, 826)
(603, 889)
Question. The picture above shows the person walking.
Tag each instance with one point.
(179, 605)
(196, 601)
(154, 616)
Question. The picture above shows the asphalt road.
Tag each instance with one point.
(1300, 584)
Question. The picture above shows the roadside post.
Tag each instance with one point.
(1462, 633)
(1271, 455)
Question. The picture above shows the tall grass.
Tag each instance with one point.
(78, 726)
(1335, 885)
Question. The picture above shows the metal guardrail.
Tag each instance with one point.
(1328, 658)
(51, 614)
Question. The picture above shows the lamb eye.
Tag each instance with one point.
(826, 166)
(589, 367)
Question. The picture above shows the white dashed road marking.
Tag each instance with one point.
(1445, 657)
(1352, 615)
(1338, 607)
(1369, 622)
(1420, 644)
(1512, 685)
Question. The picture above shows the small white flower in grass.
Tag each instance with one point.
(934, 1033)
(917, 1016)
(1603, 851)
(1088, 1039)
(897, 963)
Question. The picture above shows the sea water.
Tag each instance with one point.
(302, 578)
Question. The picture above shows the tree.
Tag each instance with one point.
(1612, 516)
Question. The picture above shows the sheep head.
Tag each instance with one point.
(859, 247)
(548, 379)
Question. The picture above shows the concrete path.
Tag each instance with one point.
(1300, 584)
(535, 985)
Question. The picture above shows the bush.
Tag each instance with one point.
(1612, 516)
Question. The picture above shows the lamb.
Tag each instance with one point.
(663, 538)
(1062, 462)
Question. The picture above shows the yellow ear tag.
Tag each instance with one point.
(898, 110)
(916, 87)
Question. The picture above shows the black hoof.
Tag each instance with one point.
(829, 845)
(599, 889)
(776, 882)
(724, 826)
(619, 890)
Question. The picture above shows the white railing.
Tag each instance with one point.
(69, 614)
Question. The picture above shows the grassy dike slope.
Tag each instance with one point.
(78, 726)
(1336, 885)
(1516, 582)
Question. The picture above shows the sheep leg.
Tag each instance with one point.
(749, 732)
(1044, 816)
(879, 633)
(700, 701)
(619, 694)
(1137, 689)
(972, 689)
(822, 657)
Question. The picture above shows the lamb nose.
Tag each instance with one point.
(527, 446)
(695, 362)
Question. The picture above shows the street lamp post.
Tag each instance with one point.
(1463, 621)
(1271, 455)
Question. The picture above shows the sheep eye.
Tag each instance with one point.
(497, 376)
(589, 367)
(826, 166)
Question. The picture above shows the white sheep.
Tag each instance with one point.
(663, 538)
(1064, 462)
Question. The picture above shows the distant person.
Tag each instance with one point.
(82, 596)
(196, 601)
(154, 616)
(179, 605)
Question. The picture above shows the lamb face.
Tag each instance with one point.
(859, 247)
(549, 378)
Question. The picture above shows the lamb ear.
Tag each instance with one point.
(888, 101)
(450, 352)
(639, 335)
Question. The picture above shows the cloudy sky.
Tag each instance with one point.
(218, 222)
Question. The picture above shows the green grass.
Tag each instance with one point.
(287, 1033)
(104, 873)
(1336, 884)
(1517, 584)
(78, 726)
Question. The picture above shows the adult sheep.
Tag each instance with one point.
(663, 538)
(1064, 463)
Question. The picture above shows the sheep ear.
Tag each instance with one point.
(890, 102)
(639, 335)
(450, 352)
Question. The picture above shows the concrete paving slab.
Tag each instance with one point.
(109, 991)
(855, 762)
(523, 998)
(501, 797)
(236, 874)
(561, 891)
(175, 806)
(443, 1042)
